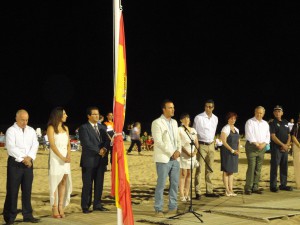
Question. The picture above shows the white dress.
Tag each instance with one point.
(185, 160)
(58, 168)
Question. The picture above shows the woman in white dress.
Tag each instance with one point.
(187, 156)
(60, 183)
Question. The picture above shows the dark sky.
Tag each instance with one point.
(241, 54)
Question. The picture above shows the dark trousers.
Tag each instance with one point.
(138, 143)
(90, 177)
(280, 159)
(255, 158)
(17, 175)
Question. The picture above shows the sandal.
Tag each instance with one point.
(61, 211)
(55, 213)
(183, 199)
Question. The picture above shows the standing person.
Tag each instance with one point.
(230, 150)
(135, 138)
(94, 143)
(291, 124)
(296, 151)
(60, 182)
(206, 125)
(167, 149)
(109, 123)
(258, 136)
(280, 143)
(187, 156)
(22, 146)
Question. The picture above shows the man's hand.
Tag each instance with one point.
(27, 161)
(102, 152)
(176, 154)
(284, 148)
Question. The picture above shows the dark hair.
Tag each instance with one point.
(230, 114)
(163, 104)
(90, 109)
(210, 101)
(55, 118)
(184, 115)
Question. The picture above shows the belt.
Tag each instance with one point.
(205, 143)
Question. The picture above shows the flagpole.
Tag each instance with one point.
(116, 34)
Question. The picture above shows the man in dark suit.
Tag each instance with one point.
(94, 143)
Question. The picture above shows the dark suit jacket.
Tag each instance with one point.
(91, 145)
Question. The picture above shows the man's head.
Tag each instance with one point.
(22, 118)
(209, 106)
(93, 114)
(278, 112)
(259, 112)
(168, 108)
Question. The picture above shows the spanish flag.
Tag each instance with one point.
(120, 179)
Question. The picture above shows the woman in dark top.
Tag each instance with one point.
(229, 152)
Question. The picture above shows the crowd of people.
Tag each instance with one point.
(177, 151)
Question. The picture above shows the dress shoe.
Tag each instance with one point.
(248, 192)
(159, 214)
(257, 191)
(212, 195)
(285, 188)
(275, 189)
(9, 223)
(100, 208)
(173, 212)
(198, 197)
(86, 211)
(31, 220)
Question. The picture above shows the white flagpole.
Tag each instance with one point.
(116, 23)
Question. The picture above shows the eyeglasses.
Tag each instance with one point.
(208, 106)
(95, 114)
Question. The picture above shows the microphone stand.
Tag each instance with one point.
(190, 210)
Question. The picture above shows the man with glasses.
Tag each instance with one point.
(206, 125)
(94, 143)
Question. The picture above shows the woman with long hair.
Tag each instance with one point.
(60, 183)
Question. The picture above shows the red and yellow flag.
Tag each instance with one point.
(120, 178)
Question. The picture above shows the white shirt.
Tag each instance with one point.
(290, 125)
(226, 129)
(257, 131)
(20, 144)
(206, 127)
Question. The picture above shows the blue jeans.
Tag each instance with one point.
(164, 170)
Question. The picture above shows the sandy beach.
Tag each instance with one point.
(142, 179)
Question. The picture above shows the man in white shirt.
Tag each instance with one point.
(206, 125)
(258, 136)
(22, 146)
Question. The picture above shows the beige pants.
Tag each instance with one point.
(207, 151)
(296, 161)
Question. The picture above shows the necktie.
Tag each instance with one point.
(96, 129)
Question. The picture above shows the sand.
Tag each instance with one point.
(142, 179)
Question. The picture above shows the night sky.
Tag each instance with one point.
(187, 51)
